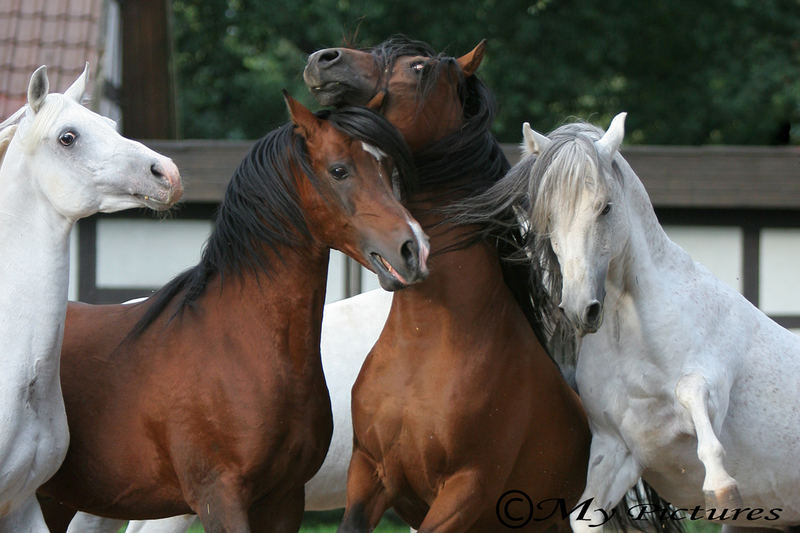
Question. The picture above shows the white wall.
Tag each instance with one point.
(779, 271)
(135, 253)
(717, 248)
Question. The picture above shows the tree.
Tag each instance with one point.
(719, 72)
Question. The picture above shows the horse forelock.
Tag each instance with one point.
(469, 160)
(562, 172)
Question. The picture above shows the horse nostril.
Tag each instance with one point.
(410, 251)
(328, 57)
(592, 312)
(156, 170)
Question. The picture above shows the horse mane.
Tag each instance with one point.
(6, 135)
(468, 160)
(261, 213)
(466, 163)
(524, 191)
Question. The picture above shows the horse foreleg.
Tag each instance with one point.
(612, 472)
(222, 505)
(719, 488)
(89, 523)
(278, 515)
(27, 518)
(366, 496)
(460, 502)
(173, 524)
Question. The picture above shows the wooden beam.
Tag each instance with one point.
(148, 95)
(729, 177)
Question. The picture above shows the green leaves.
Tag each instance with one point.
(719, 71)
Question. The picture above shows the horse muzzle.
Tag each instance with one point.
(406, 266)
(333, 80)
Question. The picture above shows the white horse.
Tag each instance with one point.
(350, 328)
(61, 162)
(686, 383)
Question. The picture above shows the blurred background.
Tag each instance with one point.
(688, 73)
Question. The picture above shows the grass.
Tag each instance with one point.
(328, 521)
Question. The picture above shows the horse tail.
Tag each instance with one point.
(642, 509)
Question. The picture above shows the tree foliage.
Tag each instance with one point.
(687, 72)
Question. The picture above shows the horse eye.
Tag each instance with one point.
(418, 66)
(67, 138)
(606, 209)
(338, 172)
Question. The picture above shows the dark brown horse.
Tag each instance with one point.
(209, 397)
(457, 403)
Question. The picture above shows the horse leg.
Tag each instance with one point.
(89, 523)
(612, 472)
(173, 524)
(27, 518)
(278, 515)
(728, 528)
(366, 496)
(719, 487)
(461, 501)
(222, 505)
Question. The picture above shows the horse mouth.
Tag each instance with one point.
(383, 266)
(154, 203)
(332, 92)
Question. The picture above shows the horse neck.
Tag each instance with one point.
(34, 275)
(289, 300)
(464, 284)
(649, 254)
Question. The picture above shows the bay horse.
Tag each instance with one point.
(60, 162)
(444, 112)
(209, 396)
(458, 402)
(685, 382)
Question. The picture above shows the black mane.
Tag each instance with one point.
(260, 212)
(469, 160)
(467, 163)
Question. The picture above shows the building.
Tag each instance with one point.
(735, 209)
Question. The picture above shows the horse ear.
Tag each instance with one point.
(534, 142)
(470, 61)
(38, 88)
(377, 101)
(78, 87)
(302, 117)
(611, 140)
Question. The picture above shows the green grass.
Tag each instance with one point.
(328, 521)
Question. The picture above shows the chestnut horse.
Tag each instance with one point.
(209, 397)
(458, 403)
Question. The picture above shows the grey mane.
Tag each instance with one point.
(529, 188)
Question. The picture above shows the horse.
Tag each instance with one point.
(685, 382)
(444, 113)
(60, 162)
(209, 397)
(458, 402)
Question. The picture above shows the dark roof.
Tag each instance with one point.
(62, 34)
